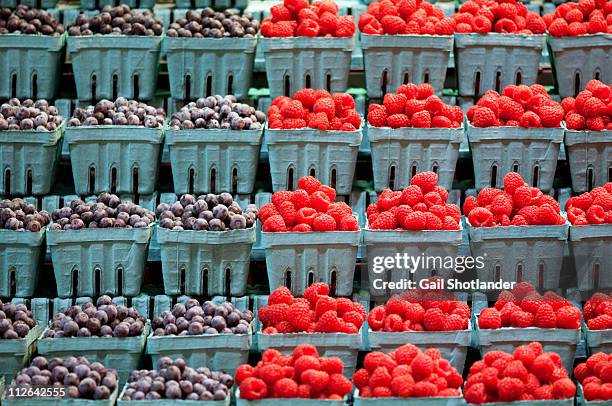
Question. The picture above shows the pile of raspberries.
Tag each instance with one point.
(309, 208)
(296, 18)
(518, 106)
(528, 374)
(421, 206)
(584, 17)
(594, 207)
(524, 307)
(394, 17)
(517, 205)
(414, 106)
(591, 109)
(316, 312)
(407, 372)
(595, 376)
(598, 312)
(303, 374)
(420, 310)
(507, 17)
(314, 109)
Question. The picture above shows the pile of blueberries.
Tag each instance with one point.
(175, 380)
(120, 20)
(209, 212)
(104, 319)
(29, 115)
(82, 379)
(120, 112)
(215, 112)
(15, 321)
(192, 318)
(214, 24)
(18, 215)
(108, 211)
(26, 20)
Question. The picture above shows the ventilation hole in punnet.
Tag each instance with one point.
(191, 180)
(392, 177)
(519, 273)
(135, 181)
(208, 85)
(136, 86)
(13, 85)
(477, 84)
(230, 84)
(497, 272)
(12, 283)
(307, 81)
(115, 86)
(312, 172)
(596, 276)
(113, 180)
(290, 179)
(235, 180)
(228, 283)
(35, 86)
(576, 84)
(536, 176)
(287, 86)
(493, 182)
(384, 81)
(328, 82)
(406, 78)
(311, 278)
(288, 279)
(213, 180)
(515, 167)
(29, 182)
(498, 81)
(333, 283)
(119, 291)
(75, 282)
(590, 178)
(187, 87)
(413, 171)
(7, 182)
(519, 78)
(92, 180)
(333, 178)
(426, 77)
(182, 277)
(205, 282)
(97, 281)
(541, 276)
(94, 81)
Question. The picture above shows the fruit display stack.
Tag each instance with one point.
(357, 202)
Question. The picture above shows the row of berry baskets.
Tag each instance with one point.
(222, 154)
(200, 66)
(100, 245)
(432, 321)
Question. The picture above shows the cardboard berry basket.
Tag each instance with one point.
(20, 257)
(397, 153)
(576, 60)
(29, 160)
(219, 352)
(430, 243)
(121, 353)
(561, 341)
(103, 260)
(590, 247)
(215, 255)
(532, 152)
(15, 354)
(453, 345)
(296, 259)
(32, 63)
(171, 402)
(330, 156)
(392, 60)
(197, 66)
(64, 401)
(287, 401)
(213, 158)
(597, 340)
(494, 61)
(395, 401)
(294, 63)
(108, 65)
(535, 253)
(125, 158)
(590, 157)
(341, 345)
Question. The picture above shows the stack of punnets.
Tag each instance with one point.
(184, 179)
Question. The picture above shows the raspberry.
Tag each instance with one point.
(267, 211)
(384, 221)
(274, 223)
(394, 102)
(481, 24)
(568, 317)
(543, 367)
(398, 121)
(280, 295)
(345, 26)
(253, 389)
(377, 117)
(564, 389)
(515, 369)
(283, 29)
(510, 389)
(421, 119)
(484, 117)
(489, 318)
(551, 116)
(243, 372)
(380, 378)
(324, 222)
(304, 363)
(317, 380)
(480, 217)
(328, 322)
(325, 105)
(319, 201)
(416, 220)
(328, 22)
(427, 181)
(280, 13)
(522, 319)
(513, 181)
(393, 24)
(287, 211)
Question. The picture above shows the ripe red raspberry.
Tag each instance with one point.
(274, 223)
(484, 117)
(324, 222)
(489, 318)
(568, 317)
(243, 372)
(328, 22)
(328, 322)
(253, 389)
(480, 217)
(551, 115)
(441, 122)
(325, 105)
(398, 121)
(393, 24)
(280, 295)
(522, 319)
(394, 103)
(384, 221)
(345, 26)
(267, 211)
(575, 121)
(510, 389)
(287, 211)
(564, 389)
(558, 28)
(317, 380)
(543, 367)
(361, 378)
(309, 183)
(421, 119)
(416, 220)
(319, 121)
(319, 201)
(280, 197)
(280, 13)
(545, 317)
(513, 181)
(349, 223)
(377, 117)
